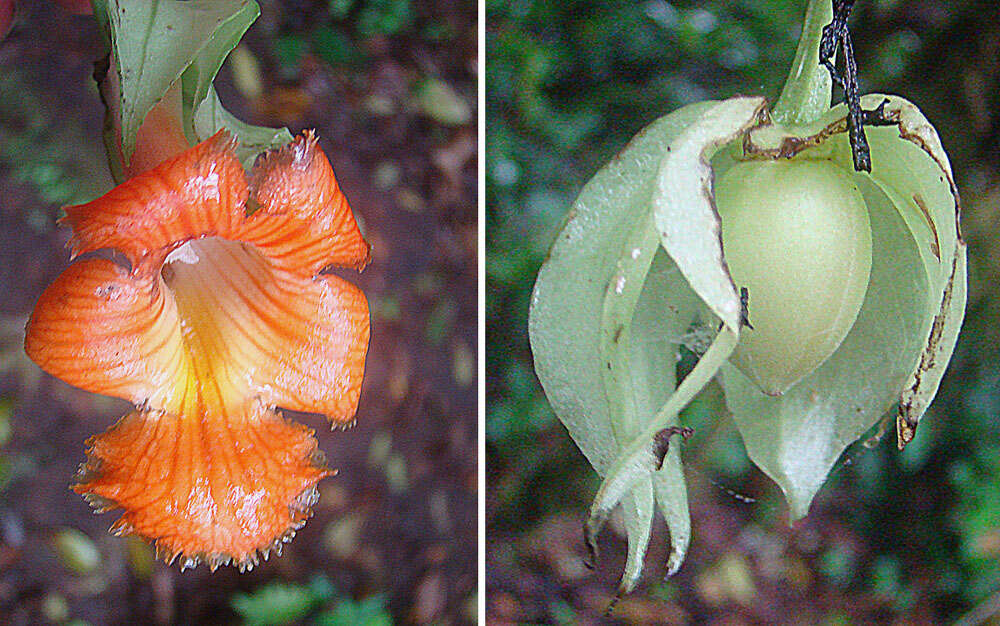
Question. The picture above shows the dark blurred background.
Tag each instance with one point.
(390, 86)
(893, 537)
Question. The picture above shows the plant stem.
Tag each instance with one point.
(808, 88)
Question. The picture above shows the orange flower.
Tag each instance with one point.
(223, 315)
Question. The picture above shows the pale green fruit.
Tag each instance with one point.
(796, 235)
(857, 291)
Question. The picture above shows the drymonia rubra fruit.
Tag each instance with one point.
(796, 235)
(824, 297)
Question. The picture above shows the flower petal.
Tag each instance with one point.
(321, 368)
(300, 218)
(214, 487)
(222, 317)
(197, 193)
(253, 328)
(102, 330)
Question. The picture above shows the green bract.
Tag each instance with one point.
(154, 46)
(855, 283)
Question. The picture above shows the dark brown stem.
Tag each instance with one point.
(837, 33)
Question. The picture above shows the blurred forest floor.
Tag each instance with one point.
(910, 537)
(390, 86)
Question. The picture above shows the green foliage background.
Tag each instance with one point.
(568, 84)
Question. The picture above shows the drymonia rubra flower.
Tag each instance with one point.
(223, 314)
(821, 279)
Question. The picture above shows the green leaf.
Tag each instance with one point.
(663, 314)
(923, 383)
(155, 42)
(621, 297)
(910, 166)
(687, 224)
(279, 603)
(568, 298)
(796, 438)
(372, 611)
(568, 313)
(212, 117)
(641, 457)
(197, 79)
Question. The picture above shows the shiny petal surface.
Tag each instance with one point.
(213, 486)
(321, 368)
(200, 192)
(300, 219)
(99, 329)
(253, 328)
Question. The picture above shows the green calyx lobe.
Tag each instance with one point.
(797, 236)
